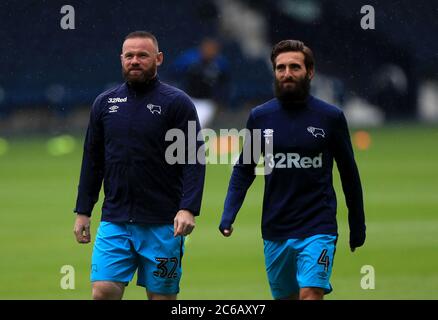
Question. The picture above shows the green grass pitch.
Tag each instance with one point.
(399, 173)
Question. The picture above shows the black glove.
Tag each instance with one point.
(357, 239)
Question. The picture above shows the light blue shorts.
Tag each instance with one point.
(299, 263)
(121, 249)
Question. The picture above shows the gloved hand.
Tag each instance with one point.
(357, 239)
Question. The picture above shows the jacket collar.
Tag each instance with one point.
(143, 87)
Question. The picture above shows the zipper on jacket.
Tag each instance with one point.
(129, 163)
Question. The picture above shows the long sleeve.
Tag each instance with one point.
(241, 179)
(351, 183)
(193, 169)
(92, 170)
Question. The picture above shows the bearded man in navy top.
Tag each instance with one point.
(302, 136)
(150, 204)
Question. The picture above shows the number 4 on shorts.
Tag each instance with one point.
(324, 260)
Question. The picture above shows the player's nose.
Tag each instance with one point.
(134, 61)
(288, 73)
(288, 77)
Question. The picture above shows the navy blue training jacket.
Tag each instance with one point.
(299, 198)
(125, 148)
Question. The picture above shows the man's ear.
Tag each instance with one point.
(160, 58)
(121, 59)
(311, 73)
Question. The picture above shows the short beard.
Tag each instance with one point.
(145, 77)
(296, 95)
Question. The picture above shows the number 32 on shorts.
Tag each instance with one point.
(166, 267)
